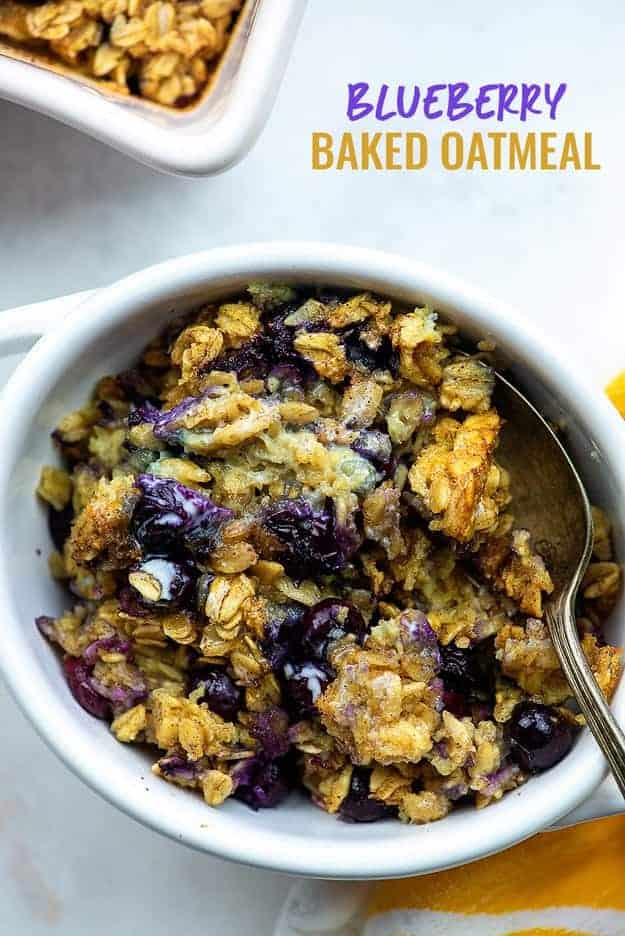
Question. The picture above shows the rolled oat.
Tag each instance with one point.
(161, 50)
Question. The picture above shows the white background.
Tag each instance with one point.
(74, 215)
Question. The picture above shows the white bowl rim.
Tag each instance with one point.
(326, 263)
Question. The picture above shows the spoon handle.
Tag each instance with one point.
(602, 723)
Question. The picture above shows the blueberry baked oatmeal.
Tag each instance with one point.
(294, 563)
(161, 50)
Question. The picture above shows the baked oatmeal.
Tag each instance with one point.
(294, 563)
(161, 50)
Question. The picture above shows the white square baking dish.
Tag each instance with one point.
(200, 141)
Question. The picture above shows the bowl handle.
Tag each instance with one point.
(324, 908)
(22, 327)
(605, 801)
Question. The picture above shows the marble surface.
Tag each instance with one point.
(74, 215)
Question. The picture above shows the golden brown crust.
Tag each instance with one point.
(100, 531)
(455, 477)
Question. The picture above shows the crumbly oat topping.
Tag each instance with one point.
(294, 562)
(162, 51)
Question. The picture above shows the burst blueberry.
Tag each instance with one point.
(260, 783)
(172, 517)
(304, 683)
(282, 624)
(271, 730)
(310, 538)
(327, 621)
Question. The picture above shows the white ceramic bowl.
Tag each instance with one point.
(202, 141)
(103, 336)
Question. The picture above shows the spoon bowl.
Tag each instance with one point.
(550, 501)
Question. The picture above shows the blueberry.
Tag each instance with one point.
(358, 353)
(456, 703)
(539, 736)
(312, 542)
(279, 338)
(219, 692)
(467, 671)
(78, 676)
(303, 684)
(60, 524)
(171, 517)
(176, 767)
(260, 783)
(100, 699)
(131, 603)
(202, 589)
(113, 644)
(271, 729)
(134, 84)
(358, 806)
(328, 620)
(250, 358)
(279, 629)
(263, 352)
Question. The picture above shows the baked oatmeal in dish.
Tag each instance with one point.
(294, 563)
(161, 50)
